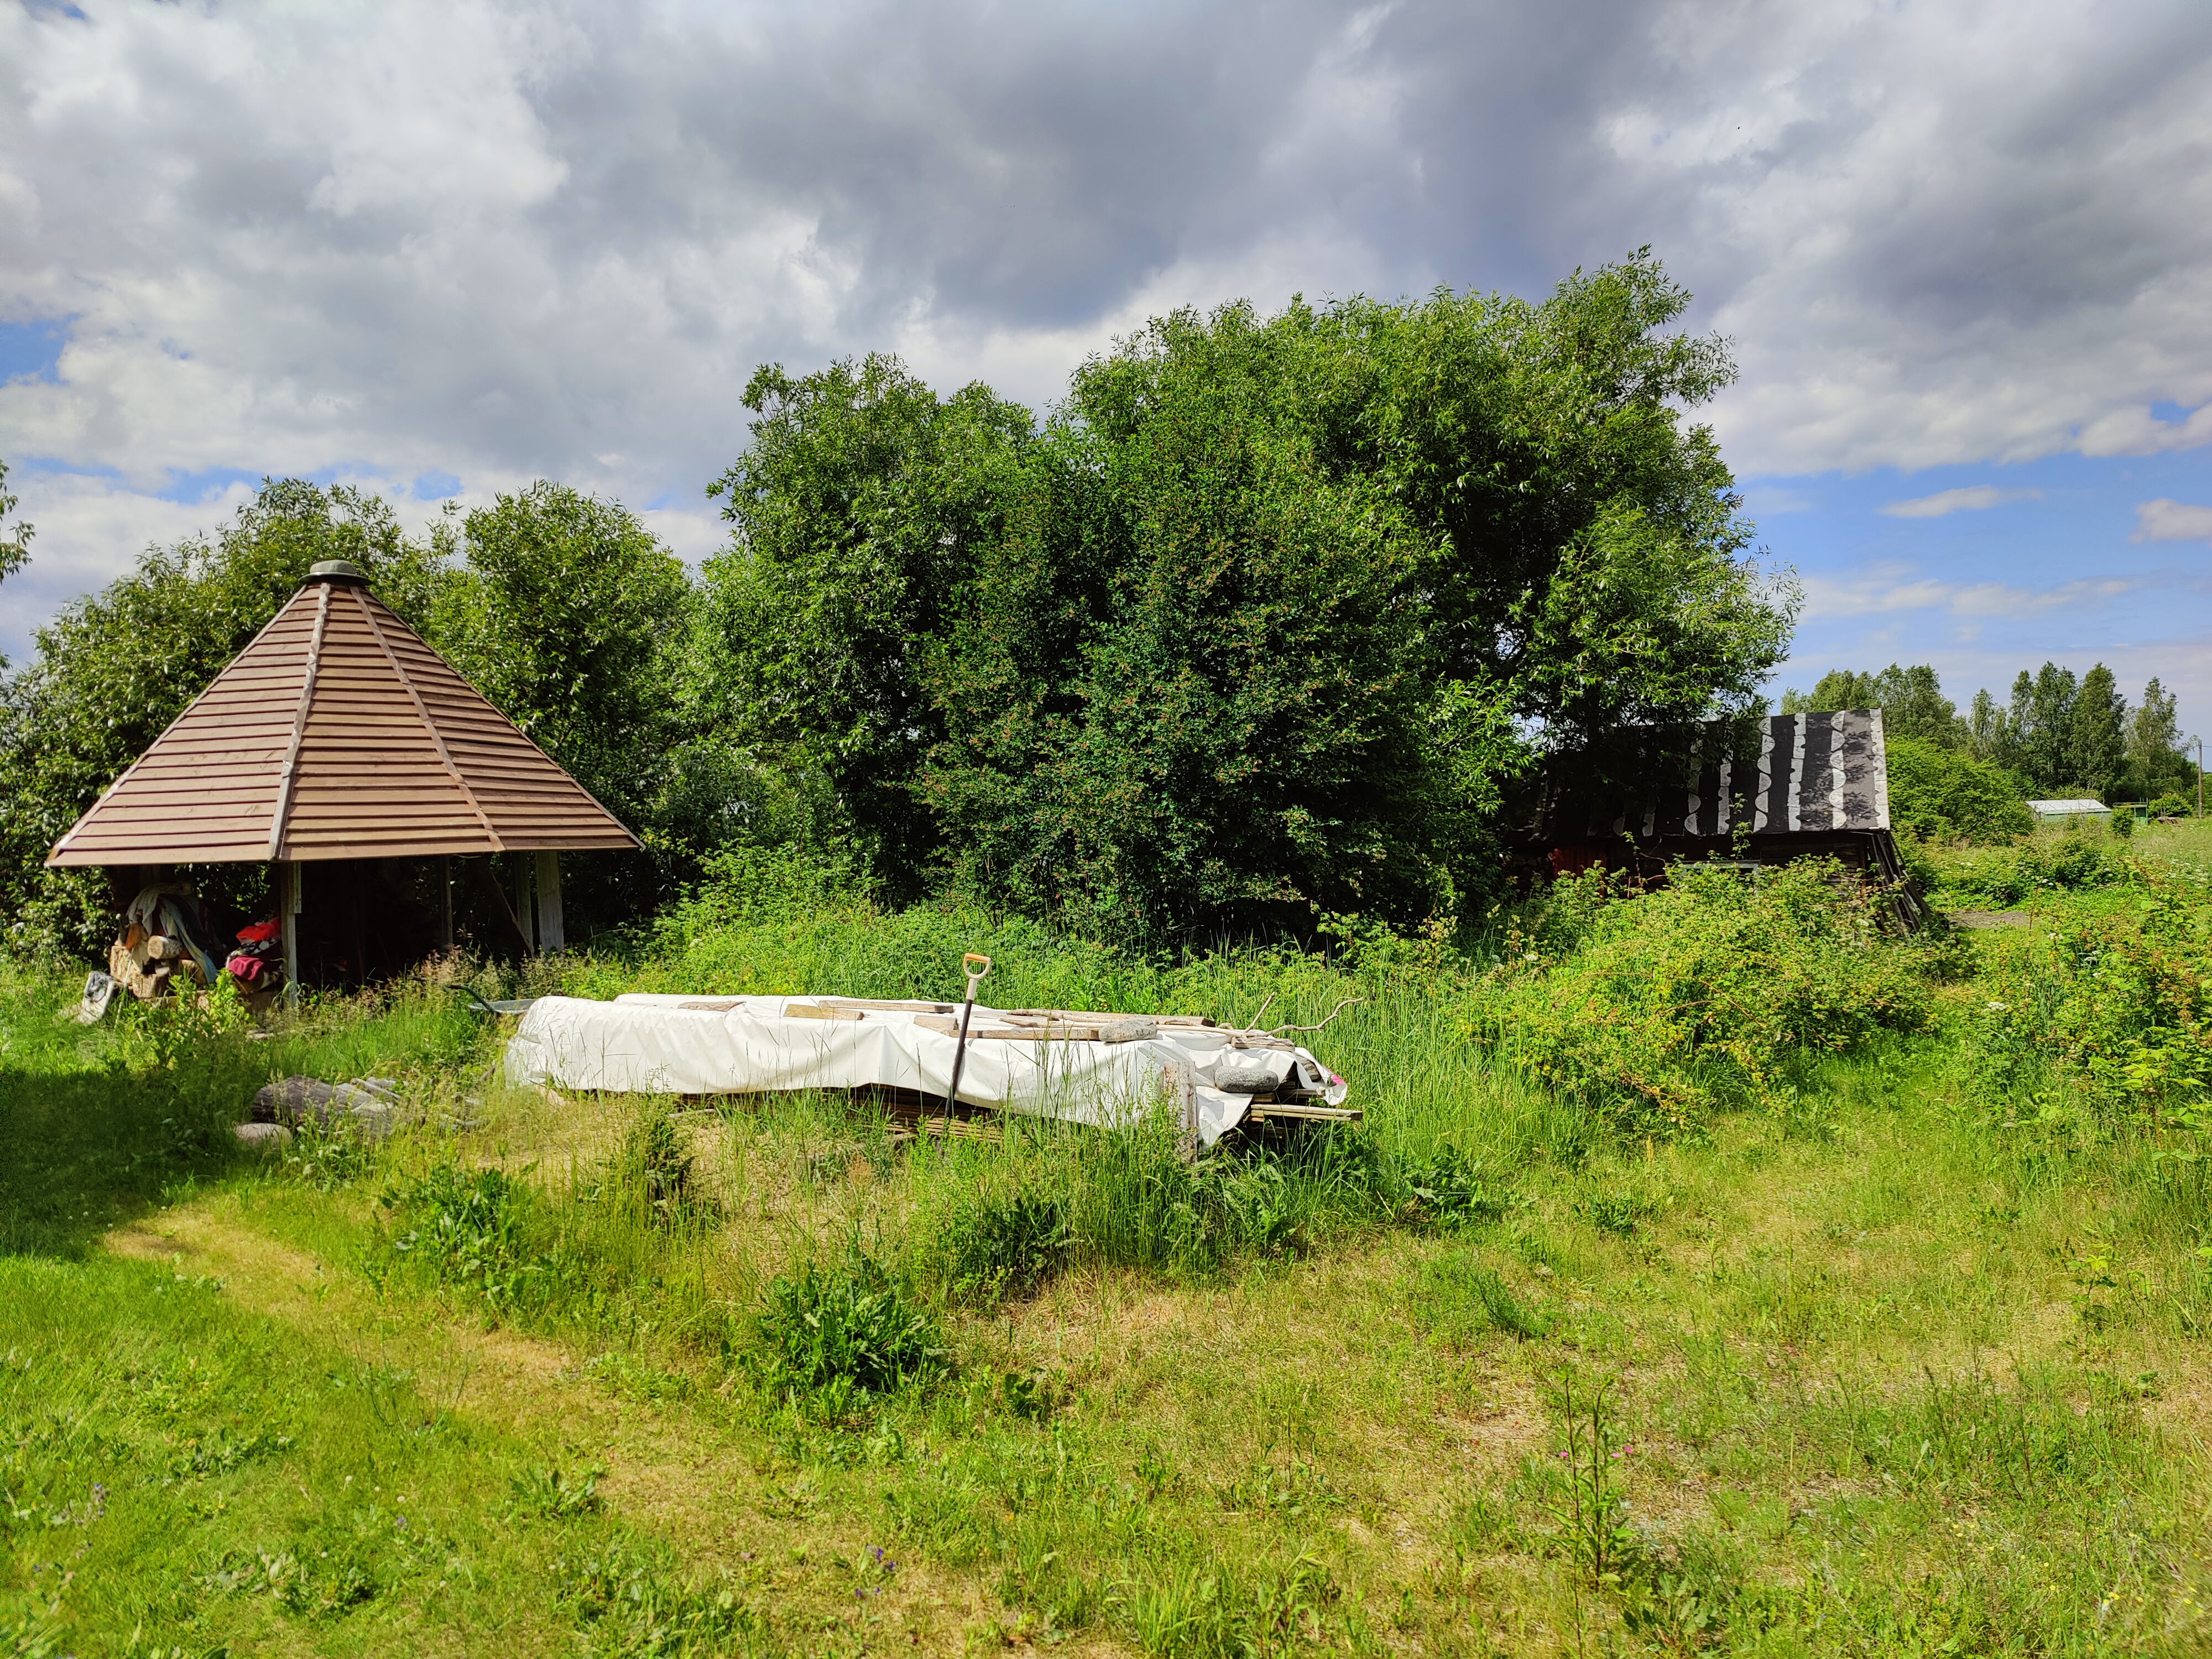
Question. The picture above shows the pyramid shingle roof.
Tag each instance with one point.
(337, 733)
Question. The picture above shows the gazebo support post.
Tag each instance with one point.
(551, 935)
(446, 899)
(525, 912)
(287, 908)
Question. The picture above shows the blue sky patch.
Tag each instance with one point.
(1983, 570)
(205, 484)
(32, 351)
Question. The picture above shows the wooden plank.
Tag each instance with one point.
(386, 797)
(951, 1027)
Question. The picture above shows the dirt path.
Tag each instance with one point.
(702, 1485)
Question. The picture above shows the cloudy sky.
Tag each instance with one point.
(1964, 252)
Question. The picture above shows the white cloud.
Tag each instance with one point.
(1939, 232)
(1973, 498)
(89, 531)
(691, 536)
(504, 241)
(2003, 601)
(1829, 598)
(2137, 431)
(1772, 501)
(2164, 521)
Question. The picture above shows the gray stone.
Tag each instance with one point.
(368, 1105)
(262, 1137)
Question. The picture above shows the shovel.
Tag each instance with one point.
(975, 967)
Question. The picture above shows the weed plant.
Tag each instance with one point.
(832, 1335)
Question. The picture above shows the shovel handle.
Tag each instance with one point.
(968, 965)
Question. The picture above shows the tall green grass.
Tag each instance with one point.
(1897, 1365)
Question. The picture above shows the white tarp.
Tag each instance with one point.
(747, 1045)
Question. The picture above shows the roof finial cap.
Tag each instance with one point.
(337, 570)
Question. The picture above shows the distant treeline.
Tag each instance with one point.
(1258, 625)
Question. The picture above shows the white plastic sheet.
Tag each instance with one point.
(654, 1045)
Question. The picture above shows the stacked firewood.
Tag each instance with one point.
(149, 965)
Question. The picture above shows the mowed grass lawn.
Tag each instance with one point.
(1890, 1374)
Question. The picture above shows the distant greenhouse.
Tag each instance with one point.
(2051, 812)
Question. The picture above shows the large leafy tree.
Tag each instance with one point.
(15, 539)
(2040, 725)
(865, 503)
(1192, 686)
(2096, 736)
(1911, 701)
(574, 621)
(1261, 619)
(2155, 762)
(1586, 540)
(2059, 732)
(566, 611)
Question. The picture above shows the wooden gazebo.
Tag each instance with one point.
(338, 734)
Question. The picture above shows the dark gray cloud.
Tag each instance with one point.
(501, 241)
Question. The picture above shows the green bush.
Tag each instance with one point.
(1458, 1299)
(1615, 1212)
(1945, 794)
(2119, 1004)
(2061, 863)
(654, 1168)
(1659, 1009)
(630, 1599)
(1506, 1311)
(833, 1336)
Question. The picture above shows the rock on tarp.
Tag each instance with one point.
(1098, 1069)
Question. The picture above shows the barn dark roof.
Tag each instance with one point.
(1808, 773)
(336, 733)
